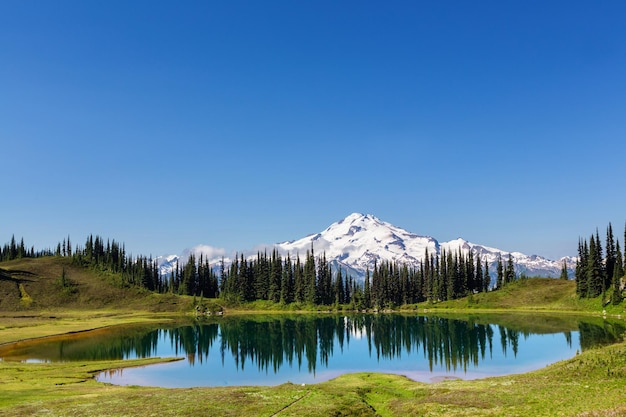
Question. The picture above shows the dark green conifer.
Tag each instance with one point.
(564, 274)
(500, 272)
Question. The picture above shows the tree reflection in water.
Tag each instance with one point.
(305, 341)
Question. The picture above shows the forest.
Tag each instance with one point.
(598, 273)
(315, 281)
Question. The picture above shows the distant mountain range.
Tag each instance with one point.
(360, 241)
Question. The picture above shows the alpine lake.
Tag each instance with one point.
(304, 349)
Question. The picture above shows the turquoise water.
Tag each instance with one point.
(306, 349)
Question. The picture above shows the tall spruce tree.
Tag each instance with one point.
(510, 270)
(287, 284)
(479, 284)
(564, 274)
(595, 276)
(487, 278)
(500, 272)
(610, 258)
(367, 291)
(580, 273)
(618, 273)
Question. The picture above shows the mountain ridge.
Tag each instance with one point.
(359, 241)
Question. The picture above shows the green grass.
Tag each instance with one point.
(37, 280)
(590, 384)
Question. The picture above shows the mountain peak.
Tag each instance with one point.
(356, 217)
(359, 241)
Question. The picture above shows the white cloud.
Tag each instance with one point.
(208, 252)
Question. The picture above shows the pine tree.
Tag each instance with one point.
(340, 294)
(580, 273)
(510, 271)
(487, 279)
(479, 280)
(276, 274)
(299, 281)
(287, 284)
(609, 262)
(309, 277)
(618, 273)
(564, 274)
(595, 277)
(367, 292)
(500, 272)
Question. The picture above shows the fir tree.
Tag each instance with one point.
(564, 274)
(609, 261)
(510, 271)
(500, 272)
(309, 278)
(581, 275)
(287, 284)
(340, 293)
(487, 279)
(618, 273)
(595, 276)
(276, 275)
(479, 280)
(367, 292)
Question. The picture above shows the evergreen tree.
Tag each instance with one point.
(299, 281)
(580, 274)
(609, 261)
(340, 293)
(287, 283)
(367, 292)
(618, 273)
(310, 278)
(487, 278)
(564, 274)
(276, 275)
(500, 272)
(595, 276)
(510, 270)
(479, 279)
(223, 277)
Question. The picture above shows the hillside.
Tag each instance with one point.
(36, 284)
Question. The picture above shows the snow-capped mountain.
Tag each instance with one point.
(530, 265)
(359, 241)
(168, 263)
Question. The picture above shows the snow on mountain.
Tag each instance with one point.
(360, 241)
(168, 263)
(530, 265)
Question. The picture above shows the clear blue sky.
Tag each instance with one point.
(168, 124)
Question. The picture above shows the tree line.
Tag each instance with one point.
(14, 250)
(313, 280)
(600, 272)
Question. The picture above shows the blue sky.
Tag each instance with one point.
(169, 124)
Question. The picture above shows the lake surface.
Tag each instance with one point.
(271, 350)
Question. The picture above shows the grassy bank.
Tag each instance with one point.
(591, 384)
(32, 304)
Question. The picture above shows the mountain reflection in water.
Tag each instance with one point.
(307, 343)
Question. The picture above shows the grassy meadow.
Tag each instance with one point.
(34, 304)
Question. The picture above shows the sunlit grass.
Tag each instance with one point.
(590, 384)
